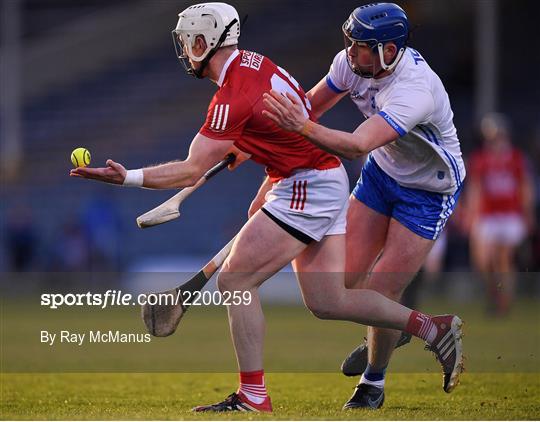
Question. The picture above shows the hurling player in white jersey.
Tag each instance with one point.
(411, 179)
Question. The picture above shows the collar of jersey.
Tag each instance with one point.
(233, 56)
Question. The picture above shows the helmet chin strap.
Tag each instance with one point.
(384, 66)
(198, 73)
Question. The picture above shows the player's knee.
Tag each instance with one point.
(229, 280)
(225, 282)
(321, 312)
(321, 309)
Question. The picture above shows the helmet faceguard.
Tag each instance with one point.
(217, 23)
(374, 25)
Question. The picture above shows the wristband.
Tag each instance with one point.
(134, 178)
(307, 128)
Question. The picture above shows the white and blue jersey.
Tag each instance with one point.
(414, 102)
(417, 178)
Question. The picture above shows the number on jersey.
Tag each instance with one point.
(280, 85)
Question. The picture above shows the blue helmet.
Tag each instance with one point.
(378, 23)
(375, 24)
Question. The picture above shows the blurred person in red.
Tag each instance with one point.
(500, 207)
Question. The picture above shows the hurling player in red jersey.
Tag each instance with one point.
(501, 212)
(304, 212)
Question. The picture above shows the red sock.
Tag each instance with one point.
(421, 325)
(252, 386)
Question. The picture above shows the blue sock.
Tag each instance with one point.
(374, 375)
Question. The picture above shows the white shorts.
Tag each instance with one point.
(506, 229)
(313, 202)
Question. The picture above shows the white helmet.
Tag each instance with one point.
(218, 23)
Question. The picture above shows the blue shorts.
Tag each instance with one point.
(424, 213)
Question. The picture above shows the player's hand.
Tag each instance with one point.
(114, 173)
(240, 155)
(285, 111)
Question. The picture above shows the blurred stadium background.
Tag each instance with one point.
(103, 74)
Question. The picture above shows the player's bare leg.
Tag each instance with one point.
(403, 256)
(363, 223)
(326, 296)
(324, 292)
(389, 275)
(261, 249)
(359, 263)
(505, 277)
(483, 254)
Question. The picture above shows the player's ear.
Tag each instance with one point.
(200, 42)
(389, 52)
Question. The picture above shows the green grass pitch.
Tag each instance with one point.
(302, 355)
(295, 396)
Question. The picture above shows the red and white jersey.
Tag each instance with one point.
(235, 114)
(500, 176)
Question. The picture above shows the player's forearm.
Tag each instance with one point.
(177, 174)
(344, 144)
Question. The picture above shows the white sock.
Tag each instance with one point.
(378, 384)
